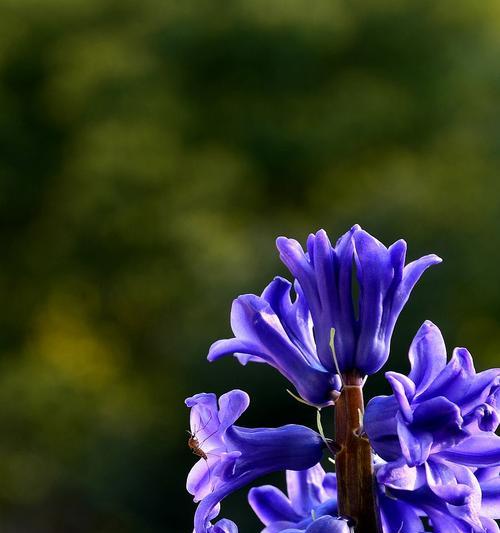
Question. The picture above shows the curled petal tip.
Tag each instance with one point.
(430, 259)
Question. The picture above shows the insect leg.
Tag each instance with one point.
(204, 425)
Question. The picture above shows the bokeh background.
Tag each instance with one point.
(150, 153)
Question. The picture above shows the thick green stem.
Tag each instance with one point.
(353, 463)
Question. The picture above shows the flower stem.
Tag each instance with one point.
(354, 465)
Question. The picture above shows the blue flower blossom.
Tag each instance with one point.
(309, 506)
(294, 334)
(437, 454)
(277, 330)
(435, 431)
(362, 330)
(233, 456)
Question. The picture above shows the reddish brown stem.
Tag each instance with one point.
(354, 468)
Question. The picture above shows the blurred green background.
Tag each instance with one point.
(150, 153)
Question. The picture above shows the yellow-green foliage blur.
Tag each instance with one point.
(150, 153)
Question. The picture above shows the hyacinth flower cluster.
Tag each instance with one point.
(425, 458)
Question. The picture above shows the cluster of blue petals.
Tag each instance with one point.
(293, 333)
(436, 437)
(437, 456)
(236, 456)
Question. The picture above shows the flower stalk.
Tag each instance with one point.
(354, 462)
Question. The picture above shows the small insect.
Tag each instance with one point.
(194, 446)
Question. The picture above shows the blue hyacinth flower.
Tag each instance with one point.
(363, 328)
(233, 456)
(278, 330)
(310, 504)
(436, 436)
(294, 334)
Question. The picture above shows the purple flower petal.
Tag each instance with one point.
(224, 526)
(375, 274)
(380, 424)
(427, 356)
(398, 475)
(481, 450)
(271, 505)
(232, 405)
(200, 480)
(489, 525)
(415, 444)
(324, 524)
(328, 524)
(412, 272)
(311, 493)
(260, 333)
(290, 447)
(397, 516)
(404, 390)
(442, 480)
(243, 454)
(305, 488)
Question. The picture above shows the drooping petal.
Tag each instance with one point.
(412, 272)
(243, 350)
